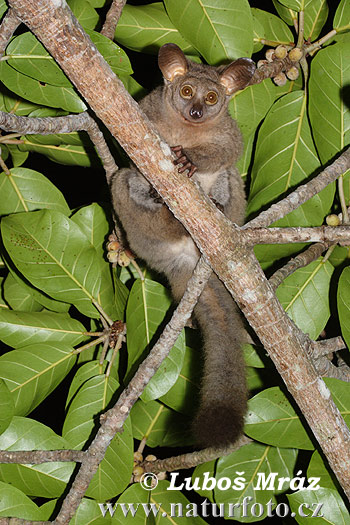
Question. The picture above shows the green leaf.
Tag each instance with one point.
(285, 157)
(272, 420)
(34, 371)
(93, 222)
(288, 15)
(86, 371)
(85, 13)
(218, 33)
(340, 394)
(329, 115)
(7, 406)
(340, 255)
(121, 296)
(168, 372)
(255, 471)
(181, 395)
(18, 329)
(35, 294)
(13, 104)
(160, 502)
(90, 401)
(114, 55)
(255, 356)
(248, 108)
(26, 190)
(53, 254)
(274, 29)
(18, 157)
(29, 57)
(285, 142)
(114, 472)
(160, 425)
(255, 380)
(3, 304)
(42, 94)
(147, 27)
(19, 297)
(62, 154)
(48, 480)
(206, 490)
(88, 512)
(315, 16)
(148, 304)
(258, 30)
(15, 504)
(303, 289)
(343, 299)
(332, 510)
(297, 5)
(342, 16)
(3, 7)
(319, 469)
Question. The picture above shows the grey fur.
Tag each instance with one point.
(213, 144)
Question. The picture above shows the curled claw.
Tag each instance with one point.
(217, 204)
(155, 196)
(184, 160)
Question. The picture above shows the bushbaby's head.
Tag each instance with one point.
(199, 92)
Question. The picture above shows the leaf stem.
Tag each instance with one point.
(301, 30)
(102, 312)
(344, 208)
(90, 344)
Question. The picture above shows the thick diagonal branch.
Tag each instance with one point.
(235, 264)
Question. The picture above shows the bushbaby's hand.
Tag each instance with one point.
(184, 160)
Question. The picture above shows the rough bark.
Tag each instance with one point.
(235, 264)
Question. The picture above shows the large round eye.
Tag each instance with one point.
(186, 91)
(211, 98)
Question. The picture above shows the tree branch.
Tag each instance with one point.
(302, 193)
(66, 124)
(7, 27)
(235, 264)
(112, 18)
(185, 461)
(36, 457)
(312, 253)
(322, 234)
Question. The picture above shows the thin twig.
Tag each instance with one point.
(326, 347)
(302, 193)
(193, 459)
(326, 368)
(112, 18)
(301, 29)
(37, 457)
(322, 234)
(7, 28)
(66, 124)
(300, 261)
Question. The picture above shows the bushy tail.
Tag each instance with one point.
(223, 396)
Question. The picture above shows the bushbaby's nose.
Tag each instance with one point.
(196, 111)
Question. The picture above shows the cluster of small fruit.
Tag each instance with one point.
(281, 52)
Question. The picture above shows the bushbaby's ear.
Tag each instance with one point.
(237, 75)
(172, 62)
